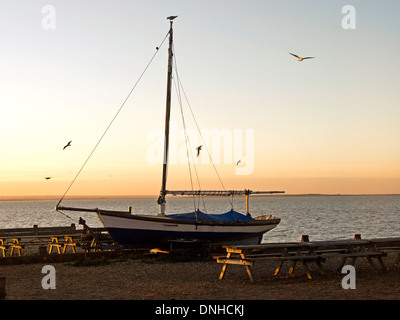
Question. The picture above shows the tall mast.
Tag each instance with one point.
(161, 199)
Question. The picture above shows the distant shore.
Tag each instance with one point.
(111, 197)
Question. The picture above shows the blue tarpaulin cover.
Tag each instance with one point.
(230, 216)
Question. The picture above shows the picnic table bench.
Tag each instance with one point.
(49, 239)
(388, 245)
(247, 255)
(304, 252)
(14, 244)
(68, 242)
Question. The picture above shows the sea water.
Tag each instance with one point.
(320, 217)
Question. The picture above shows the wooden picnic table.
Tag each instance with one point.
(304, 252)
(55, 237)
(352, 249)
(13, 243)
(19, 242)
(247, 255)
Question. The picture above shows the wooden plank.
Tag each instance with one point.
(49, 231)
(236, 261)
(263, 256)
(3, 292)
(278, 269)
(389, 249)
(276, 245)
(249, 273)
(331, 251)
(233, 250)
(3, 249)
(221, 276)
(307, 269)
(298, 258)
(332, 244)
(355, 254)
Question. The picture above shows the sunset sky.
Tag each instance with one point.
(325, 125)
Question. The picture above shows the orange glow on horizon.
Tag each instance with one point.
(56, 189)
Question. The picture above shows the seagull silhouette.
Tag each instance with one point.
(237, 163)
(300, 58)
(198, 150)
(47, 178)
(67, 145)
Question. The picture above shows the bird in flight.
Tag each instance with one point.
(237, 163)
(198, 150)
(47, 178)
(300, 58)
(171, 17)
(67, 145)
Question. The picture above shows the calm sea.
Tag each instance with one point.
(320, 217)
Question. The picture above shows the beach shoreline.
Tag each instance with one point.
(154, 279)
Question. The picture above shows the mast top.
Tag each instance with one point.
(171, 18)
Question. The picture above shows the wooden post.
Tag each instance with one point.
(305, 238)
(42, 250)
(357, 236)
(3, 292)
(130, 209)
(247, 204)
(221, 276)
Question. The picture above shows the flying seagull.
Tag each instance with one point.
(67, 145)
(47, 178)
(198, 150)
(171, 17)
(237, 163)
(300, 58)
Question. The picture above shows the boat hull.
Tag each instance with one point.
(135, 230)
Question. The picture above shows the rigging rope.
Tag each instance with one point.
(186, 137)
(179, 85)
(113, 119)
(187, 141)
(67, 216)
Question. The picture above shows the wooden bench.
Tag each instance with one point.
(353, 249)
(3, 247)
(15, 245)
(361, 254)
(55, 243)
(393, 249)
(389, 245)
(69, 243)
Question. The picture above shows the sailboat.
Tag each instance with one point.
(133, 230)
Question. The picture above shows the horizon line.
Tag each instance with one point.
(110, 197)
